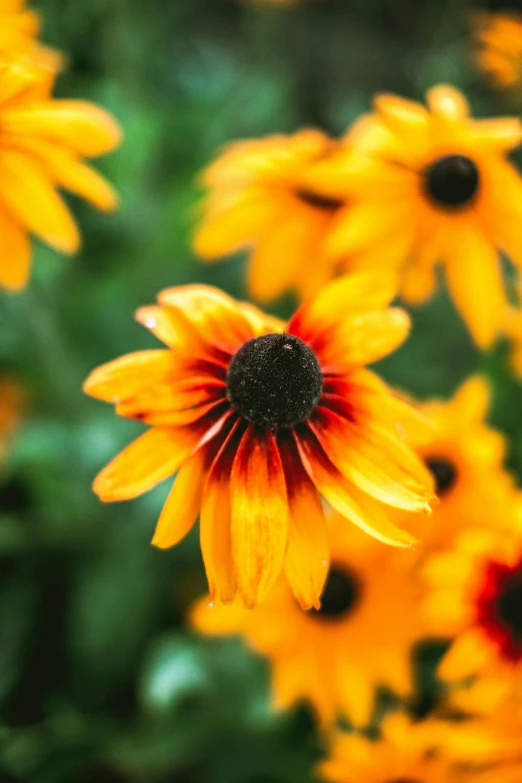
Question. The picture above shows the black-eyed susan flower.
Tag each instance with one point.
(433, 185)
(334, 657)
(263, 197)
(19, 28)
(475, 596)
(498, 47)
(406, 753)
(42, 145)
(259, 417)
(465, 457)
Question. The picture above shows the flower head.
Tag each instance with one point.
(262, 196)
(498, 47)
(259, 417)
(475, 595)
(42, 145)
(433, 185)
(335, 657)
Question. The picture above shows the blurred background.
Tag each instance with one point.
(99, 678)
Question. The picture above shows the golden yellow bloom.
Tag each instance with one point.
(262, 196)
(42, 145)
(498, 42)
(19, 29)
(433, 185)
(336, 656)
(465, 457)
(259, 417)
(475, 595)
(406, 753)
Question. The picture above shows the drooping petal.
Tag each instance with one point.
(153, 457)
(15, 253)
(357, 507)
(259, 515)
(183, 503)
(124, 377)
(307, 556)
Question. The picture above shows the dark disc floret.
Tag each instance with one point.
(452, 181)
(274, 381)
(341, 594)
(509, 606)
(444, 473)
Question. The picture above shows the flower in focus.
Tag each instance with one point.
(475, 595)
(406, 753)
(259, 417)
(433, 185)
(335, 657)
(465, 457)
(498, 52)
(19, 29)
(262, 196)
(42, 145)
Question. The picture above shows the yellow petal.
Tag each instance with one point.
(467, 655)
(124, 377)
(15, 253)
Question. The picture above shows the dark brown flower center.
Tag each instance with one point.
(510, 606)
(452, 181)
(444, 473)
(341, 594)
(317, 200)
(499, 608)
(274, 381)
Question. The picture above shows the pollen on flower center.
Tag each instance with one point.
(510, 605)
(444, 473)
(341, 594)
(274, 381)
(452, 181)
(317, 200)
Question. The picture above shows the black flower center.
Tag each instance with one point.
(274, 381)
(444, 473)
(341, 594)
(509, 605)
(452, 181)
(317, 200)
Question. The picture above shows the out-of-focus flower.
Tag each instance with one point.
(11, 407)
(465, 457)
(42, 145)
(498, 47)
(406, 753)
(433, 185)
(19, 28)
(336, 656)
(261, 416)
(262, 196)
(475, 595)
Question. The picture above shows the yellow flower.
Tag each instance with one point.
(498, 52)
(19, 29)
(475, 595)
(406, 753)
(259, 417)
(42, 145)
(433, 185)
(465, 457)
(262, 196)
(336, 656)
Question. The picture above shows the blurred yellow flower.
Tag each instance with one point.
(262, 196)
(465, 457)
(19, 29)
(475, 595)
(42, 146)
(336, 656)
(406, 753)
(432, 185)
(498, 47)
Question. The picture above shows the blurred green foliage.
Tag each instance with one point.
(99, 679)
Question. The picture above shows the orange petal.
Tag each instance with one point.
(366, 338)
(126, 376)
(363, 511)
(447, 102)
(151, 458)
(31, 196)
(183, 503)
(170, 326)
(307, 556)
(467, 655)
(259, 515)
(499, 134)
(259, 321)
(358, 293)
(15, 253)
